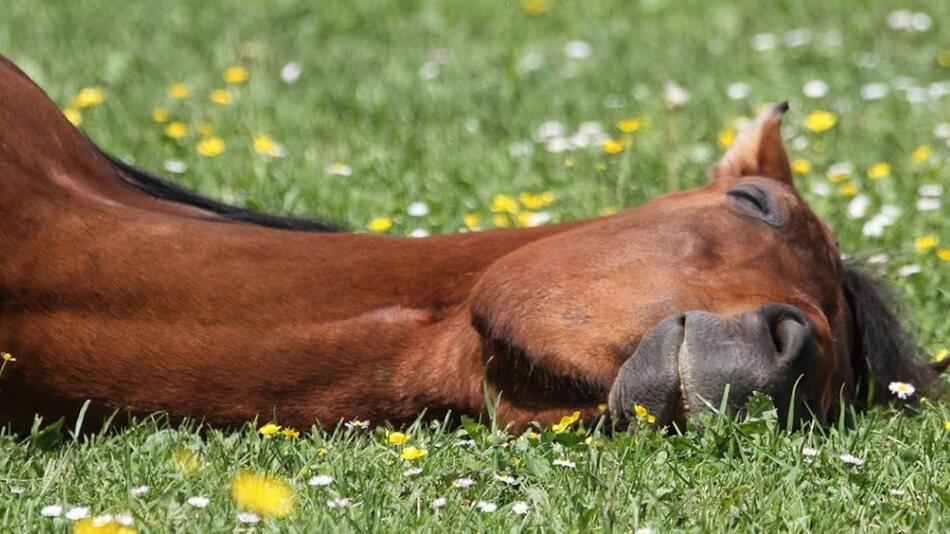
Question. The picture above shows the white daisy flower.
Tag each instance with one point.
(851, 459)
(938, 90)
(17, 490)
(339, 169)
(920, 22)
(339, 502)
(942, 130)
(487, 507)
(429, 70)
(418, 209)
(51, 510)
(815, 88)
(529, 62)
(320, 480)
(877, 259)
(507, 479)
(903, 390)
(521, 149)
(577, 49)
(125, 520)
(519, 507)
(76, 513)
(820, 189)
(763, 42)
(561, 462)
(930, 190)
(462, 482)
(291, 72)
(557, 145)
(439, 502)
(412, 471)
(899, 19)
(908, 270)
(841, 168)
(896, 492)
(549, 130)
(810, 451)
(419, 232)
(644, 530)
(675, 95)
(928, 204)
(738, 91)
(797, 37)
(858, 206)
(248, 517)
(175, 166)
(198, 501)
(356, 423)
(139, 491)
(873, 91)
(465, 443)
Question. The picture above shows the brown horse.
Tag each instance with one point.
(118, 287)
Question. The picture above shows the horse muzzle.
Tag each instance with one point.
(686, 363)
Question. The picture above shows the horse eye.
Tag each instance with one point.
(754, 201)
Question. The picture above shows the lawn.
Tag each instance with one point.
(414, 117)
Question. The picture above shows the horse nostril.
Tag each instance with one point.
(788, 329)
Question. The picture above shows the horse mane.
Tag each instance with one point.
(163, 189)
(884, 350)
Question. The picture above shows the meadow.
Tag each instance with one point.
(418, 117)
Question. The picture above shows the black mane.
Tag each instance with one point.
(160, 188)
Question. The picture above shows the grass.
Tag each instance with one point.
(457, 141)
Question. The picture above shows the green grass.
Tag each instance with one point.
(446, 141)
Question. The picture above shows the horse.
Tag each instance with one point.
(122, 289)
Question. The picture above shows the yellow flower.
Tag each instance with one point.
(73, 115)
(569, 162)
(946, 424)
(801, 166)
(178, 91)
(322, 451)
(819, 121)
(7, 357)
(943, 58)
(536, 202)
(221, 97)
(611, 146)
(176, 130)
(727, 137)
(640, 411)
(160, 115)
(235, 75)
(396, 438)
(268, 496)
(471, 220)
(185, 461)
(92, 525)
(88, 97)
(629, 125)
(265, 145)
(879, 171)
(534, 7)
(925, 243)
(269, 430)
(566, 422)
(848, 189)
(211, 147)
(602, 407)
(531, 434)
(380, 225)
(205, 129)
(941, 354)
(504, 204)
(501, 221)
(290, 433)
(411, 453)
(944, 254)
(524, 219)
(609, 210)
(921, 154)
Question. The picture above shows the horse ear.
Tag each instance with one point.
(759, 150)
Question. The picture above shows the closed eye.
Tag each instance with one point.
(755, 201)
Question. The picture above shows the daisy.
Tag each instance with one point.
(248, 517)
(928, 204)
(198, 501)
(419, 232)
(858, 206)
(17, 490)
(487, 507)
(908, 270)
(356, 423)
(507, 479)
(338, 502)
(738, 91)
(815, 89)
(52, 510)
(809, 451)
(797, 37)
(577, 50)
(763, 42)
(438, 502)
(850, 459)
(290, 72)
(139, 491)
(462, 482)
(412, 471)
(896, 492)
(77, 513)
(529, 62)
(561, 462)
(903, 390)
(339, 169)
(873, 91)
(175, 166)
(675, 95)
(465, 443)
(124, 519)
(519, 507)
(320, 480)
(418, 209)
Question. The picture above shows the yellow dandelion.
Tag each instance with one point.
(566, 422)
(160, 115)
(819, 121)
(73, 115)
(941, 354)
(629, 125)
(471, 220)
(411, 453)
(268, 496)
(380, 225)
(290, 433)
(524, 219)
(609, 210)
(501, 221)
(221, 97)
(943, 57)
(322, 451)
(88, 97)
(801, 166)
(879, 171)
(7, 357)
(531, 434)
(925, 243)
(946, 424)
(534, 7)
(536, 202)
(727, 137)
(185, 461)
(849, 189)
(640, 411)
(602, 407)
(921, 154)
(504, 204)
(96, 525)
(176, 130)
(211, 147)
(265, 145)
(396, 438)
(611, 146)
(235, 75)
(178, 91)
(944, 254)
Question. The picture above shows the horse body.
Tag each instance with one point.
(144, 303)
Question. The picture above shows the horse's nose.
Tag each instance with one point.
(689, 361)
